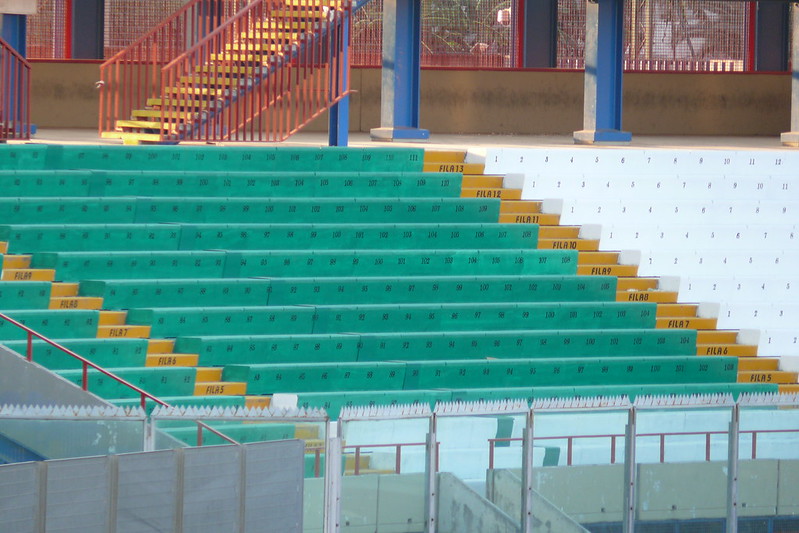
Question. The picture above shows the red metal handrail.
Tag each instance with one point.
(134, 74)
(614, 436)
(14, 94)
(292, 56)
(85, 364)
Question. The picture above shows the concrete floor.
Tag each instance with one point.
(76, 136)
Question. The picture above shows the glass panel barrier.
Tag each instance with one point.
(681, 462)
(768, 469)
(383, 486)
(579, 468)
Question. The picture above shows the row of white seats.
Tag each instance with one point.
(761, 288)
(668, 186)
(704, 237)
(673, 212)
(721, 263)
(592, 161)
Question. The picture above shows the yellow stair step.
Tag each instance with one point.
(767, 376)
(256, 47)
(530, 218)
(637, 284)
(143, 124)
(685, 322)
(520, 206)
(717, 336)
(463, 168)
(28, 274)
(595, 257)
(482, 182)
(129, 137)
(194, 91)
(3, 247)
(789, 388)
(676, 310)
(306, 431)
(444, 156)
(16, 262)
(758, 364)
(172, 359)
(123, 332)
(113, 318)
(731, 350)
(64, 290)
(569, 244)
(509, 194)
(209, 373)
(175, 103)
(559, 232)
(257, 402)
(607, 270)
(283, 25)
(237, 70)
(156, 113)
(271, 35)
(241, 58)
(363, 461)
(220, 388)
(160, 346)
(76, 302)
(647, 296)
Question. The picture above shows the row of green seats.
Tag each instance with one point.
(127, 210)
(29, 238)
(157, 381)
(467, 374)
(309, 319)
(333, 402)
(226, 349)
(68, 323)
(76, 266)
(208, 158)
(287, 184)
(24, 294)
(224, 292)
(107, 353)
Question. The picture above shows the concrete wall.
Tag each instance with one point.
(498, 102)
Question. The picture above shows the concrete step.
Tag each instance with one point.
(637, 284)
(220, 388)
(28, 274)
(123, 332)
(76, 302)
(767, 376)
(676, 310)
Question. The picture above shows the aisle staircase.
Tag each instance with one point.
(671, 314)
(263, 74)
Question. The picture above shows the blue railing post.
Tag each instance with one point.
(604, 65)
(339, 113)
(791, 138)
(399, 88)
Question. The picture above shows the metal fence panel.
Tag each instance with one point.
(274, 486)
(19, 497)
(147, 492)
(212, 491)
(77, 495)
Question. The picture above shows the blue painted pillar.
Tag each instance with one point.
(339, 113)
(604, 66)
(791, 138)
(399, 92)
(14, 32)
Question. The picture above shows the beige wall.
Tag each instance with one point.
(507, 102)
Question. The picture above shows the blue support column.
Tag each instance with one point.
(14, 32)
(791, 138)
(339, 113)
(399, 96)
(604, 62)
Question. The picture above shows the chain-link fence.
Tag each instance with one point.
(666, 35)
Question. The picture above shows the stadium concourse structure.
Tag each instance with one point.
(494, 269)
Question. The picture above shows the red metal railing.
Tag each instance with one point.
(15, 74)
(570, 440)
(260, 75)
(86, 364)
(133, 75)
